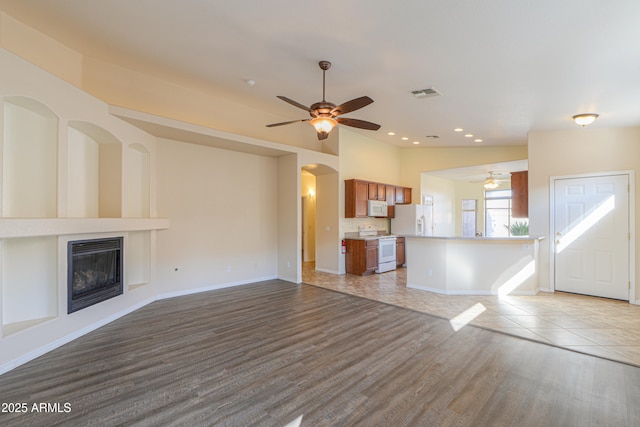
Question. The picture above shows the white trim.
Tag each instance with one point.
(632, 212)
(479, 292)
(27, 357)
(326, 270)
(68, 338)
(213, 287)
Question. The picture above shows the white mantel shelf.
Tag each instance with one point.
(33, 227)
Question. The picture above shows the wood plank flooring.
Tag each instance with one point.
(265, 354)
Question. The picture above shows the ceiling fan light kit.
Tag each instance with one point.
(324, 114)
(585, 118)
(490, 183)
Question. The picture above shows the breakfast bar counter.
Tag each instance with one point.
(473, 265)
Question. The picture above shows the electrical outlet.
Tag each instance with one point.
(228, 269)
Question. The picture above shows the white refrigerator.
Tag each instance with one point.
(414, 220)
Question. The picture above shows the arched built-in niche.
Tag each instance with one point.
(94, 172)
(30, 159)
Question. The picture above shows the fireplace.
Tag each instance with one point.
(94, 272)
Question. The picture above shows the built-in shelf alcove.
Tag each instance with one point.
(94, 172)
(29, 159)
(29, 282)
(138, 259)
(138, 182)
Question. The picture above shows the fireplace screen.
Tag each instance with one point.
(95, 272)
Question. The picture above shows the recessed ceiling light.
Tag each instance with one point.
(404, 138)
(391, 133)
(250, 82)
(416, 142)
(469, 135)
(477, 140)
(458, 130)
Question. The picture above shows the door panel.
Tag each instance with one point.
(592, 236)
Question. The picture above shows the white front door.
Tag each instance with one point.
(591, 228)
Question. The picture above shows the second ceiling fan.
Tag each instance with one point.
(324, 114)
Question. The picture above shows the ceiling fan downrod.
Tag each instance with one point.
(324, 66)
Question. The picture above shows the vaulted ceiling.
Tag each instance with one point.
(502, 67)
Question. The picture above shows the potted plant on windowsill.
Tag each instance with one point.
(518, 228)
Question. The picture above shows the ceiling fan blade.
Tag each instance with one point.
(349, 106)
(357, 123)
(287, 123)
(294, 103)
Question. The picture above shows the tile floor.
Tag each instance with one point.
(597, 326)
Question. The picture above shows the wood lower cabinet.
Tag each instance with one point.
(400, 252)
(362, 256)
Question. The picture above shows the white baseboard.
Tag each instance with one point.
(27, 357)
(68, 338)
(480, 292)
(213, 287)
(325, 270)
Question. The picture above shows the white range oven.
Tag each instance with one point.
(386, 254)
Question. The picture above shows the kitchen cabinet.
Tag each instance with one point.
(520, 194)
(376, 191)
(400, 254)
(390, 193)
(403, 196)
(356, 194)
(362, 256)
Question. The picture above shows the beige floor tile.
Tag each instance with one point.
(591, 325)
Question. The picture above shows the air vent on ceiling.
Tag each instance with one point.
(426, 93)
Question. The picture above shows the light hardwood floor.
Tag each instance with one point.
(597, 326)
(267, 353)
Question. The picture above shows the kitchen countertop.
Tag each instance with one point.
(356, 236)
(514, 238)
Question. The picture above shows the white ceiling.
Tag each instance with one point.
(504, 67)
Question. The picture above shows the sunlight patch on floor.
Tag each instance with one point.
(464, 318)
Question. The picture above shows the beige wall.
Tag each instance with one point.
(414, 161)
(168, 96)
(580, 151)
(223, 206)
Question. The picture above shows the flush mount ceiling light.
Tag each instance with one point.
(585, 119)
(490, 183)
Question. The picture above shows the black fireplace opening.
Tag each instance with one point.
(94, 272)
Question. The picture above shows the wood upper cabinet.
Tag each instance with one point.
(403, 195)
(376, 191)
(520, 194)
(362, 256)
(356, 194)
(390, 193)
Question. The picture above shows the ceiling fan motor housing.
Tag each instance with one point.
(322, 109)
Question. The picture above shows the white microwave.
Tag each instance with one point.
(377, 208)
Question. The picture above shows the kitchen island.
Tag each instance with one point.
(473, 265)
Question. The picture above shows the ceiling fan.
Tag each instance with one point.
(491, 182)
(324, 114)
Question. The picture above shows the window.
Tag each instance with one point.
(498, 219)
(469, 215)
